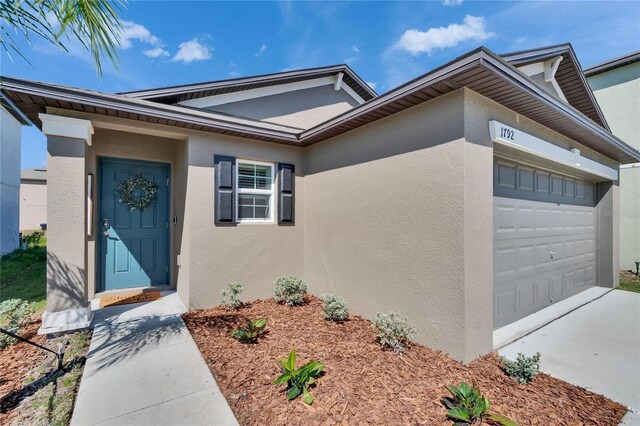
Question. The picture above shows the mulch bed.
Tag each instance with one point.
(16, 362)
(363, 384)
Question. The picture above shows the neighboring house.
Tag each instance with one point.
(466, 199)
(11, 121)
(616, 85)
(33, 199)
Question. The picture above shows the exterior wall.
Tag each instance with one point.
(254, 254)
(618, 94)
(482, 109)
(10, 135)
(385, 224)
(33, 204)
(118, 144)
(301, 109)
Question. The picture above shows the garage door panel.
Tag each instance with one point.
(543, 253)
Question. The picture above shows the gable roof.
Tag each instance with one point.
(614, 63)
(570, 77)
(479, 70)
(175, 94)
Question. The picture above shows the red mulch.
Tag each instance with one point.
(16, 361)
(364, 384)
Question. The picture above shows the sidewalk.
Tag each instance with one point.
(143, 367)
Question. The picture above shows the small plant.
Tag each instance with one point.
(251, 334)
(230, 296)
(467, 406)
(334, 307)
(14, 315)
(394, 331)
(524, 368)
(33, 239)
(298, 380)
(290, 290)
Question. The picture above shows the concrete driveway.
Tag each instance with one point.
(597, 346)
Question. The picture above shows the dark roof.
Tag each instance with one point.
(175, 94)
(479, 70)
(34, 174)
(611, 64)
(569, 76)
(13, 110)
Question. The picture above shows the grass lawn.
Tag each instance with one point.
(629, 281)
(23, 276)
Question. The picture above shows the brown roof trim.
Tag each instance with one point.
(107, 102)
(566, 77)
(611, 64)
(174, 94)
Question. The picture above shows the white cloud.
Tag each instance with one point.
(452, 3)
(356, 53)
(415, 41)
(371, 84)
(192, 50)
(132, 31)
(156, 52)
(261, 51)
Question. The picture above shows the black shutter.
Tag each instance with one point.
(286, 199)
(225, 174)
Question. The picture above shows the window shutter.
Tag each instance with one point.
(286, 199)
(225, 174)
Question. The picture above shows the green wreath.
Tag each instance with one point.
(126, 188)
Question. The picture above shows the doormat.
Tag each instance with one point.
(126, 298)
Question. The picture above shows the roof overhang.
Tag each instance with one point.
(612, 64)
(479, 70)
(177, 94)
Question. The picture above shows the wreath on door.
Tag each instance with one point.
(136, 192)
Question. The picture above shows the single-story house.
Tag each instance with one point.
(466, 199)
(616, 86)
(11, 122)
(33, 198)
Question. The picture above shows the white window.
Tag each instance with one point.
(254, 191)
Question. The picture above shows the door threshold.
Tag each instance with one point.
(163, 289)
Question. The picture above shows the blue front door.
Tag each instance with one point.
(133, 244)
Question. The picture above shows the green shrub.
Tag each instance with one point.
(394, 331)
(251, 334)
(524, 368)
(334, 307)
(290, 290)
(467, 406)
(298, 380)
(230, 296)
(33, 239)
(14, 315)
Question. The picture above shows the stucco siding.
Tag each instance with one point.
(618, 94)
(254, 254)
(10, 138)
(301, 108)
(385, 221)
(33, 204)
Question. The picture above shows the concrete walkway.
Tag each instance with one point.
(144, 368)
(596, 346)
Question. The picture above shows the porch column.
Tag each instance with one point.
(67, 304)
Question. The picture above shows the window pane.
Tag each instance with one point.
(254, 176)
(253, 206)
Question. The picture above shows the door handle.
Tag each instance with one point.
(105, 227)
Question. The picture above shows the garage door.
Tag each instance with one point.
(544, 239)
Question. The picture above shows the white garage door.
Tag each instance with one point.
(543, 251)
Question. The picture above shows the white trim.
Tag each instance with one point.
(66, 127)
(71, 319)
(548, 68)
(630, 166)
(338, 83)
(508, 136)
(260, 92)
(551, 67)
(270, 192)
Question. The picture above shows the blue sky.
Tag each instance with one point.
(386, 43)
